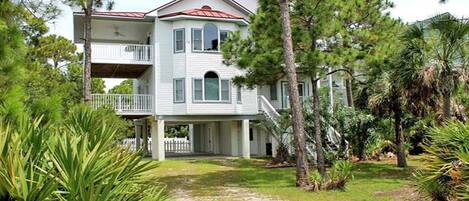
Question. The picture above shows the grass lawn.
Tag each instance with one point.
(237, 179)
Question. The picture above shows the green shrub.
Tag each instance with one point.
(76, 160)
(338, 176)
(445, 175)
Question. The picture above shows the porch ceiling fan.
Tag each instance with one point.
(117, 33)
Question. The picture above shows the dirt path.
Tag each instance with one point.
(224, 193)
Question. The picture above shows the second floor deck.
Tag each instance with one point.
(117, 60)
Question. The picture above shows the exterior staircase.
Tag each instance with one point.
(333, 138)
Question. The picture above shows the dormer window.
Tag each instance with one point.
(209, 38)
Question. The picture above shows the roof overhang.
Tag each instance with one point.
(240, 21)
(146, 18)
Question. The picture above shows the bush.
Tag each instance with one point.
(445, 175)
(76, 160)
(338, 176)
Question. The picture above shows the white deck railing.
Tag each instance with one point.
(124, 103)
(171, 145)
(121, 53)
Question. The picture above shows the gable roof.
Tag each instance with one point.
(203, 12)
(231, 2)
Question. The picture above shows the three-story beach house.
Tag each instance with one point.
(173, 53)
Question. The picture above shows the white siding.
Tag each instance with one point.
(190, 65)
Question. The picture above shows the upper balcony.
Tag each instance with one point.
(120, 43)
(114, 53)
(114, 60)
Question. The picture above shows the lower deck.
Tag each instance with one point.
(232, 138)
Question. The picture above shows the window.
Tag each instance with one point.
(198, 91)
(251, 135)
(223, 36)
(197, 39)
(212, 87)
(273, 92)
(301, 89)
(225, 90)
(238, 95)
(179, 40)
(178, 90)
(210, 37)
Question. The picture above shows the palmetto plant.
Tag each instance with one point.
(282, 133)
(436, 55)
(445, 175)
(77, 160)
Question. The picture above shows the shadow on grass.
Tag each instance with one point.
(381, 171)
(252, 174)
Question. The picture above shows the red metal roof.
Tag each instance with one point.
(203, 12)
(120, 14)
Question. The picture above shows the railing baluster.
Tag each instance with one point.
(123, 102)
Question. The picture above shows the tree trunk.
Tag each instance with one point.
(447, 105)
(145, 138)
(302, 169)
(87, 68)
(317, 130)
(349, 92)
(401, 160)
(362, 137)
(282, 154)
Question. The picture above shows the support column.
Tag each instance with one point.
(145, 138)
(191, 137)
(138, 131)
(157, 137)
(245, 145)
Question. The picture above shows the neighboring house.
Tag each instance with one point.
(173, 53)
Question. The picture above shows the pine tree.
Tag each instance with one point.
(12, 52)
(88, 7)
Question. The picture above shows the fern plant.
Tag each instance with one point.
(76, 160)
(445, 175)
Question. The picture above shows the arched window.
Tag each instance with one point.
(210, 37)
(212, 86)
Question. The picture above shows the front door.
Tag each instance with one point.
(285, 100)
(210, 140)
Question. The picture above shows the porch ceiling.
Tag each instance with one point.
(128, 71)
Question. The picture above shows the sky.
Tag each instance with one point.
(406, 10)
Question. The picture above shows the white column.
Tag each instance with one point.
(157, 137)
(234, 138)
(138, 131)
(245, 145)
(191, 137)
